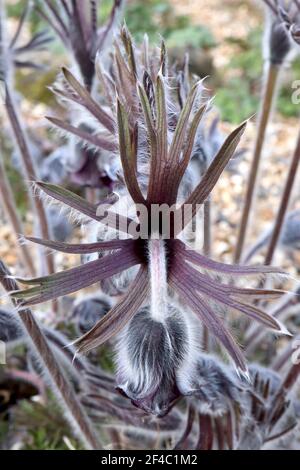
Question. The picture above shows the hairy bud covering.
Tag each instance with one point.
(149, 353)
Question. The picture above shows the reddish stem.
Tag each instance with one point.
(268, 98)
(285, 199)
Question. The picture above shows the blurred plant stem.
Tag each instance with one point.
(62, 389)
(29, 170)
(284, 203)
(207, 252)
(8, 202)
(278, 226)
(207, 228)
(265, 112)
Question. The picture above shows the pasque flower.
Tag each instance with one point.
(176, 288)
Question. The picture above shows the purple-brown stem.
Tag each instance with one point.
(9, 205)
(207, 228)
(29, 170)
(76, 415)
(286, 386)
(268, 98)
(284, 204)
(207, 252)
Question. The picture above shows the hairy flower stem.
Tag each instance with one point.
(207, 228)
(284, 204)
(12, 215)
(75, 413)
(207, 252)
(158, 279)
(29, 170)
(268, 99)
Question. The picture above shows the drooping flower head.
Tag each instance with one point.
(174, 289)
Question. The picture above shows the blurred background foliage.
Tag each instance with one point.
(238, 81)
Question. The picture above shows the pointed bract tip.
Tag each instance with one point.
(283, 330)
(65, 71)
(244, 374)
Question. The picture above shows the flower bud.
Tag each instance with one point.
(149, 353)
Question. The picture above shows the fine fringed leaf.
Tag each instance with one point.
(161, 119)
(213, 173)
(147, 110)
(180, 167)
(227, 269)
(127, 155)
(158, 170)
(163, 58)
(180, 131)
(117, 318)
(72, 200)
(189, 145)
(213, 323)
(69, 281)
(82, 248)
(88, 102)
(96, 141)
(225, 294)
(145, 52)
(127, 42)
